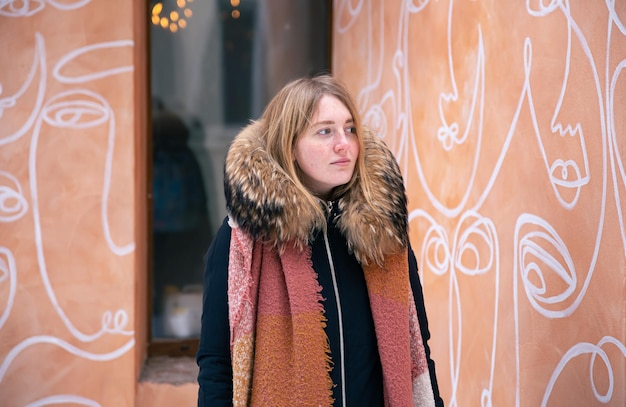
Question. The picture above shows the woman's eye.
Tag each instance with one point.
(324, 131)
(351, 130)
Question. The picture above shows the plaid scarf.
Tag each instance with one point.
(280, 352)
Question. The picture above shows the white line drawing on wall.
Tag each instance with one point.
(71, 56)
(27, 8)
(82, 109)
(596, 351)
(69, 109)
(617, 165)
(352, 12)
(13, 204)
(8, 271)
(8, 102)
(577, 184)
(387, 109)
(543, 257)
(449, 134)
(565, 173)
(63, 399)
(473, 235)
(51, 340)
(79, 110)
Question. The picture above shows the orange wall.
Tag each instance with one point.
(508, 120)
(68, 266)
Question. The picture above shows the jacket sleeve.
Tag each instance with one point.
(418, 294)
(215, 375)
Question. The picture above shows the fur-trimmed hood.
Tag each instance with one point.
(263, 200)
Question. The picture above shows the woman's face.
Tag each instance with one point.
(326, 152)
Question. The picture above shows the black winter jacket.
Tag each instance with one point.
(364, 386)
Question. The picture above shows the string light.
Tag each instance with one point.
(172, 20)
(235, 14)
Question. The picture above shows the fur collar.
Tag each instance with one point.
(263, 201)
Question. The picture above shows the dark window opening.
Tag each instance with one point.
(214, 66)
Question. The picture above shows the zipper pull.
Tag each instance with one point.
(330, 206)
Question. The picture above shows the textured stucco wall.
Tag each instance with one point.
(68, 270)
(507, 118)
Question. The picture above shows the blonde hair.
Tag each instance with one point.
(288, 115)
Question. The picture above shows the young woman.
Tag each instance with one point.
(311, 292)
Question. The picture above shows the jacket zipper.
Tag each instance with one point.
(339, 312)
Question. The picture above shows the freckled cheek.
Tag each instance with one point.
(355, 148)
(310, 165)
(308, 162)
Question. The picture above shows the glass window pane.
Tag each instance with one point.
(214, 66)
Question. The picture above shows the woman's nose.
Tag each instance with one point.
(341, 142)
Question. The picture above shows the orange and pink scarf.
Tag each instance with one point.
(280, 352)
